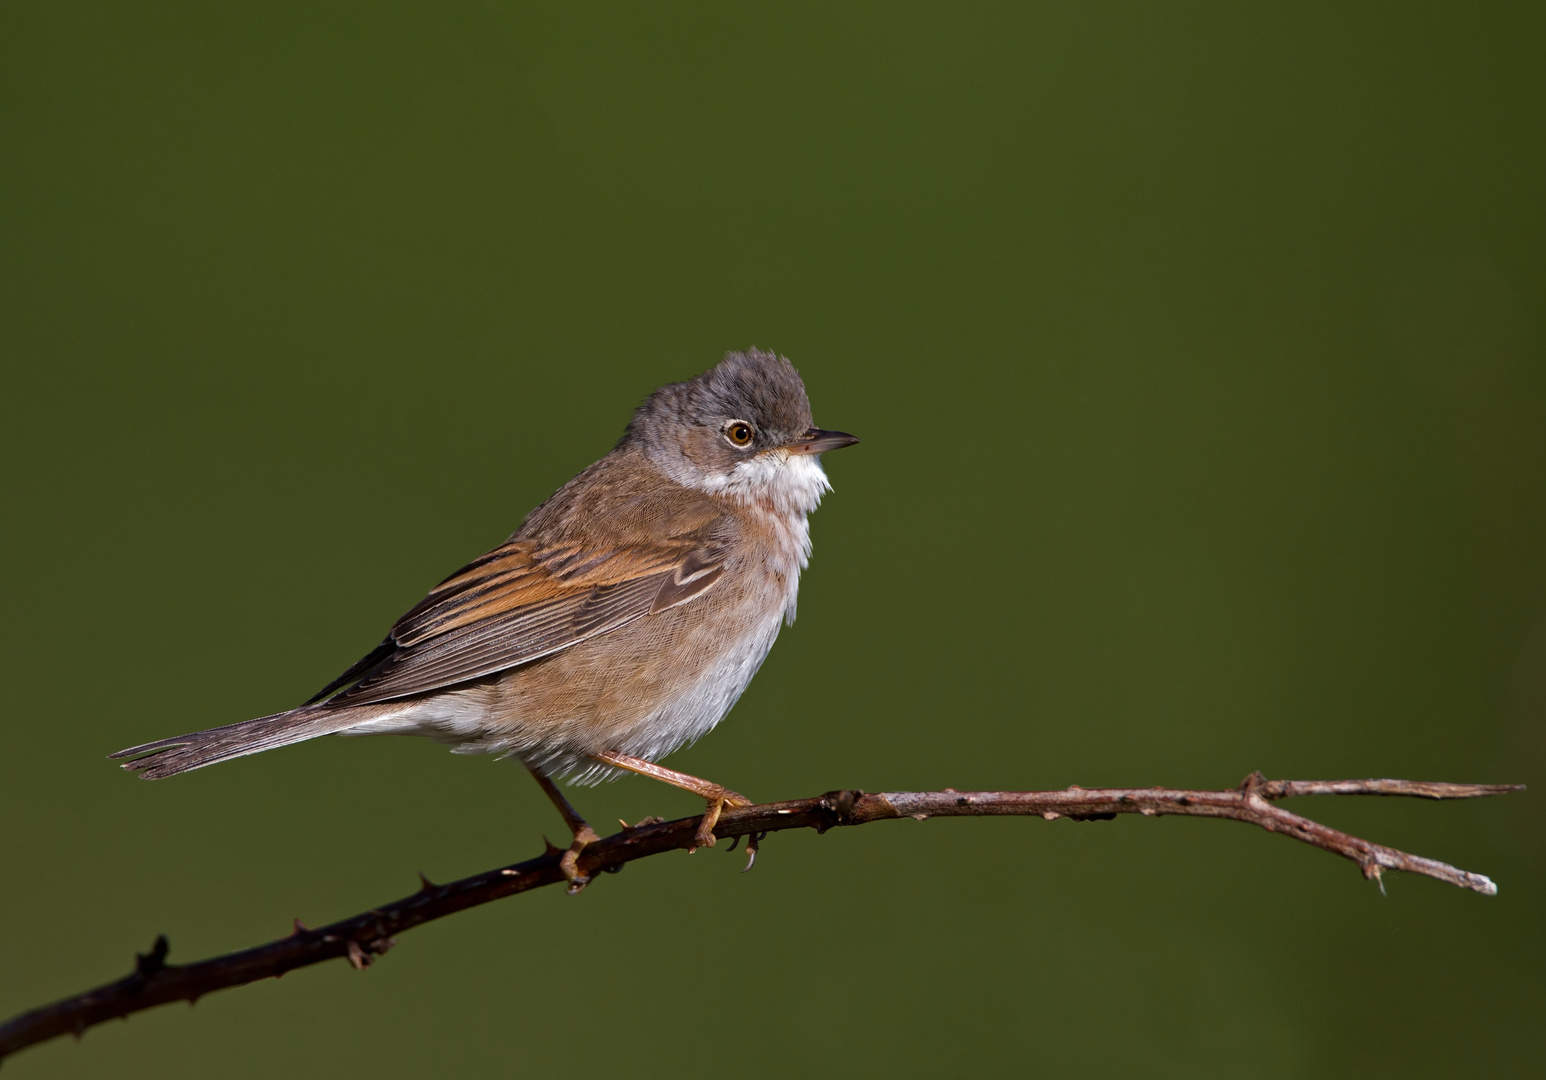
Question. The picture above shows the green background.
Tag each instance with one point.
(1198, 357)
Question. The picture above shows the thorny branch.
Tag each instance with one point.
(363, 937)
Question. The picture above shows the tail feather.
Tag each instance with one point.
(183, 753)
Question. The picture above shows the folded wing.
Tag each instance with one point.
(521, 602)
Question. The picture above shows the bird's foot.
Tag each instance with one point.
(717, 796)
(584, 836)
(717, 801)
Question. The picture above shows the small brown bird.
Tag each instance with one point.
(621, 620)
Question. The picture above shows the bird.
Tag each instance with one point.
(621, 621)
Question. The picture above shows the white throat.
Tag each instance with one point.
(788, 484)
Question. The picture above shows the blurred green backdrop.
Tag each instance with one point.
(1198, 355)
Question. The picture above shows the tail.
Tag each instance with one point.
(183, 753)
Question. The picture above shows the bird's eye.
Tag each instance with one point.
(739, 432)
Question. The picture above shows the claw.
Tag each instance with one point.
(752, 840)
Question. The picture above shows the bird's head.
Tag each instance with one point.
(741, 429)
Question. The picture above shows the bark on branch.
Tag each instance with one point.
(363, 937)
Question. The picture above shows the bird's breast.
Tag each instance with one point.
(778, 547)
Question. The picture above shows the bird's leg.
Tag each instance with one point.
(717, 796)
(579, 828)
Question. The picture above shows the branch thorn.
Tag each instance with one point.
(147, 965)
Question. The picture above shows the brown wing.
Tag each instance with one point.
(521, 602)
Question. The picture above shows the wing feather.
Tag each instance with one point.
(521, 602)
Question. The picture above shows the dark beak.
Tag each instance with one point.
(816, 441)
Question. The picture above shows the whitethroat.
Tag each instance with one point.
(621, 621)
